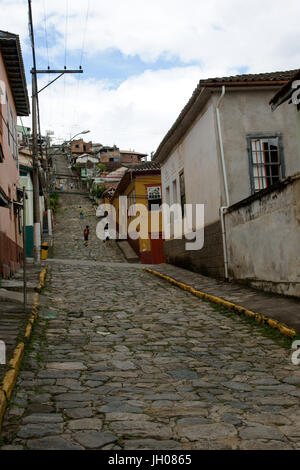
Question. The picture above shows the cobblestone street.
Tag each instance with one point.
(120, 359)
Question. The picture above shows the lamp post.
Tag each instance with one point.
(79, 133)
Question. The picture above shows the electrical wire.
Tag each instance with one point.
(65, 59)
(81, 57)
(46, 33)
(66, 31)
(84, 32)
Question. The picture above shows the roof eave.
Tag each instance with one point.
(195, 104)
(22, 104)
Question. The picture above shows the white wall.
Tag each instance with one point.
(248, 112)
(197, 155)
(27, 182)
(263, 239)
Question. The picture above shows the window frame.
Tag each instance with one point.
(149, 201)
(182, 194)
(266, 136)
(7, 119)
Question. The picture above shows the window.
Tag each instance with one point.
(168, 195)
(1, 154)
(7, 121)
(131, 203)
(182, 191)
(154, 197)
(174, 184)
(16, 146)
(266, 161)
(12, 132)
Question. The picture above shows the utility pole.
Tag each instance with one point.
(36, 184)
(35, 115)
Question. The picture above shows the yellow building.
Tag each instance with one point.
(142, 185)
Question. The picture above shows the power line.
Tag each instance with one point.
(84, 32)
(66, 31)
(65, 61)
(46, 32)
(81, 57)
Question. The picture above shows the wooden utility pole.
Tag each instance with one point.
(36, 184)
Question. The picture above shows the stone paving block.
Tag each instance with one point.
(171, 374)
(52, 443)
(94, 439)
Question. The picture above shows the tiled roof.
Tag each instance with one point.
(267, 79)
(146, 166)
(133, 153)
(252, 77)
(10, 49)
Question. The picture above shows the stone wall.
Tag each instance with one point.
(209, 261)
(263, 239)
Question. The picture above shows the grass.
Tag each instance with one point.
(264, 329)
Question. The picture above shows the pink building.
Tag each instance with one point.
(14, 102)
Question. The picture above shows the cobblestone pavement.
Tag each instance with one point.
(279, 307)
(122, 360)
(13, 317)
(68, 229)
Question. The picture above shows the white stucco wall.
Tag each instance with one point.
(197, 155)
(27, 182)
(248, 112)
(263, 239)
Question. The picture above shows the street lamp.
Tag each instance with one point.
(79, 133)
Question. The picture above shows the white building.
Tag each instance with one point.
(225, 146)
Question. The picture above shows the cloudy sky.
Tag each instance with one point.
(142, 59)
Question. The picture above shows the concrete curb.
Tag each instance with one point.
(11, 375)
(258, 317)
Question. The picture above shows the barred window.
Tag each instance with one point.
(154, 198)
(266, 162)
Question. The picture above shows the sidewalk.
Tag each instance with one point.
(284, 309)
(13, 318)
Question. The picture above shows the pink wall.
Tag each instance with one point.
(9, 178)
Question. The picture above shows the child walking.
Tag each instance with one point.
(86, 235)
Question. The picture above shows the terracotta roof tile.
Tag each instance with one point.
(279, 78)
(251, 77)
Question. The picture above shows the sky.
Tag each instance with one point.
(142, 59)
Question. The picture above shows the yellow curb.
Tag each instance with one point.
(2, 405)
(11, 375)
(258, 317)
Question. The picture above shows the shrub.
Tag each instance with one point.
(54, 198)
(98, 190)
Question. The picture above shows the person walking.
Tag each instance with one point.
(86, 235)
(106, 234)
(80, 213)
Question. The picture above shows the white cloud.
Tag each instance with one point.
(262, 34)
(135, 115)
(218, 36)
(234, 32)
